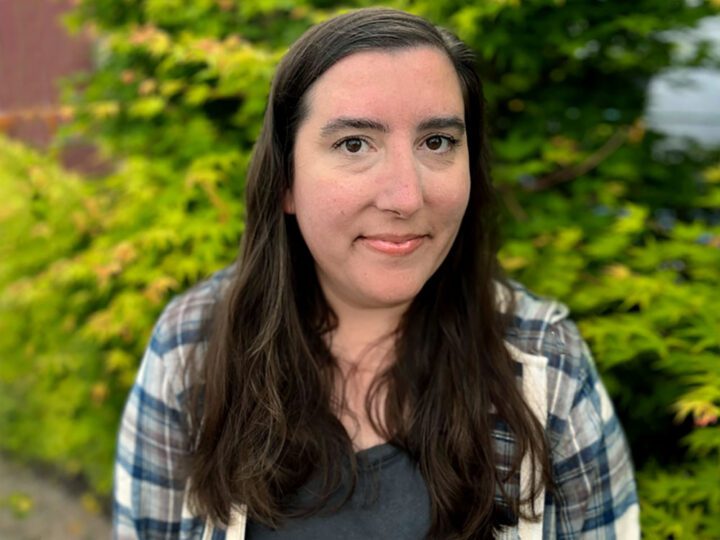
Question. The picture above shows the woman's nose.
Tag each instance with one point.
(401, 189)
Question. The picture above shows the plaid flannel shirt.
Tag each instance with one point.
(595, 495)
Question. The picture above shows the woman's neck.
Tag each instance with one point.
(363, 344)
(364, 336)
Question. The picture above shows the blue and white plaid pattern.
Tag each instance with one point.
(595, 496)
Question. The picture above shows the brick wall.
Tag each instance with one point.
(35, 52)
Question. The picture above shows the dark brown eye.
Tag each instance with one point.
(353, 145)
(440, 144)
(435, 142)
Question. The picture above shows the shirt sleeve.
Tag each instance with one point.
(152, 445)
(595, 494)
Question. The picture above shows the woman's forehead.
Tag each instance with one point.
(393, 83)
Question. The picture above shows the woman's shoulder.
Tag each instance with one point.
(543, 332)
(183, 320)
(591, 464)
(541, 326)
(531, 313)
(179, 335)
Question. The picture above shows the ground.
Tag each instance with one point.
(36, 505)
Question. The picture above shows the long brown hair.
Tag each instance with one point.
(267, 377)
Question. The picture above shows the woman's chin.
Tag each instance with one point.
(391, 296)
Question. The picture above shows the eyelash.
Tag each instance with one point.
(453, 142)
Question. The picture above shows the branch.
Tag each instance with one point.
(593, 160)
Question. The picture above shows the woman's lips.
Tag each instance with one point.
(392, 244)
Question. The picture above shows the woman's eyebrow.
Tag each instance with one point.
(338, 124)
(442, 122)
(343, 122)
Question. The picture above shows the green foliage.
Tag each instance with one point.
(681, 503)
(599, 212)
(19, 504)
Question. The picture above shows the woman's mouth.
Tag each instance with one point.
(393, 244)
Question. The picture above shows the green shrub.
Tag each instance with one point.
(597, 214)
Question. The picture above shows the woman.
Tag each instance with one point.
(363, 371)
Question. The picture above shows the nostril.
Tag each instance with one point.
(401, 198)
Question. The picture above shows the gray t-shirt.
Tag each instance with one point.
(390, 501)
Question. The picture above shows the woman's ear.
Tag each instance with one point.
(288, 202)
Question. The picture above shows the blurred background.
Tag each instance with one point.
(126, 127)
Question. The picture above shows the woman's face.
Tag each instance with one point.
(381, 174)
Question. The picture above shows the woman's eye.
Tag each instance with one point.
(440, 143)
(352, 145)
